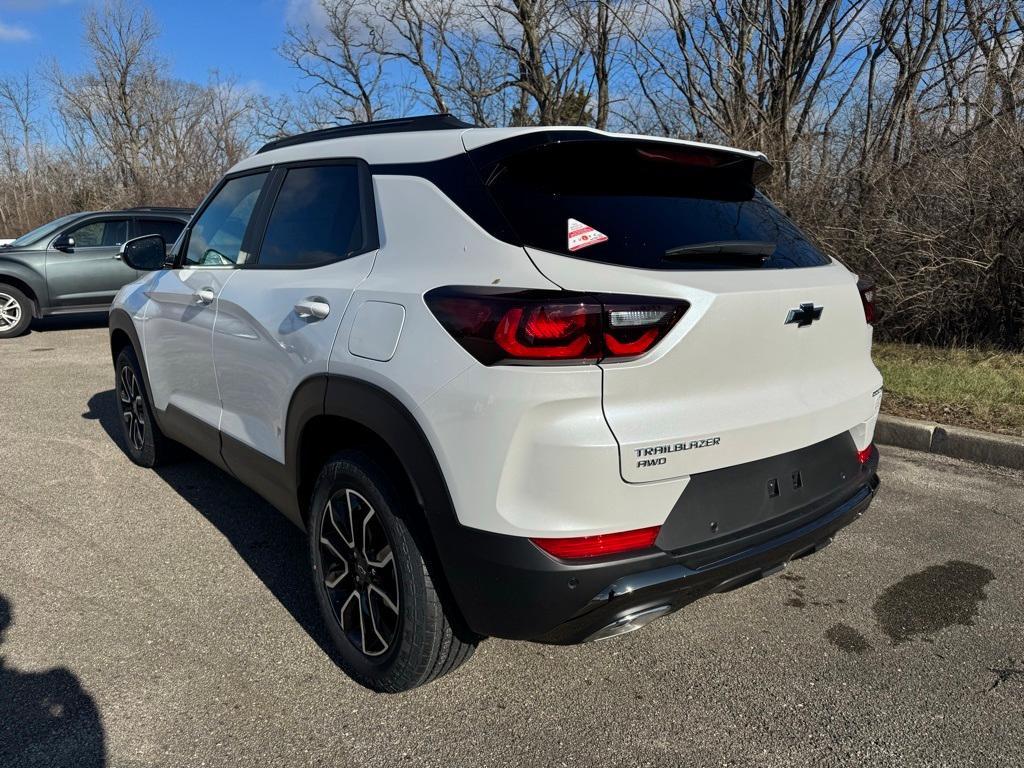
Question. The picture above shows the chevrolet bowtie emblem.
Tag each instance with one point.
(804, 315)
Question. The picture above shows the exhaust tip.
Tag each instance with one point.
(630, 622)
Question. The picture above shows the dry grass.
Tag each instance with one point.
(965, 387)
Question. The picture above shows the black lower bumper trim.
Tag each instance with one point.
(677, 585)
(505, 586)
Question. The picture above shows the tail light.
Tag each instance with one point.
(537, 327)
(866, 286)
(580, 547)
(865, 455)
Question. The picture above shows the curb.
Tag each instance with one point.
(955, 442)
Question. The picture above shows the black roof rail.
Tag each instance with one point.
(159, 209)
(442, 122)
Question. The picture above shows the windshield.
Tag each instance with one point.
(645, 204)
(45, 230)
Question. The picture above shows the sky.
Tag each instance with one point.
(236, 37)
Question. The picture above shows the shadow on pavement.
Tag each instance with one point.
(70, 322)
(271, 546)
(46, 718)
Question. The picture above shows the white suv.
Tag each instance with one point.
(544, 384)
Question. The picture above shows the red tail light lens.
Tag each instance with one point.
(512, 326)
(580, 547)
(546, 332)
(866, 286)
(633, 326)
(865, 456)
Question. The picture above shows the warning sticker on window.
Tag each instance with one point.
(581, 235)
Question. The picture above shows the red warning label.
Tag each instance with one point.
(581, 235)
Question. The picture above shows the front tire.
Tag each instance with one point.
(372, 584)
(15, 312)
(144, 443)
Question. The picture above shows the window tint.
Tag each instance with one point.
(316, 218)
(109, 233)
(216, 237)
(645, 204)
(169, 229)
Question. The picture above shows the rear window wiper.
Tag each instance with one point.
(723, 254)
(761, 248)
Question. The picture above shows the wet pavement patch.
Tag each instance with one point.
(848, 639)
(936, 598)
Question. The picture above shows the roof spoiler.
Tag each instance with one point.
(763, 170)
(441, 122)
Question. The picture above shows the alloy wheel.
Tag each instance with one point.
(10, 312)
(359, 572)
(133, 407)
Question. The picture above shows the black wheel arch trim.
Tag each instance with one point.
(119, 321)
(28, 283)
(383, 414)
(362, 403)
(173, 422)
(390, 420)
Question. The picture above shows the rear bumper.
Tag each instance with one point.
(657, 592)
(507, 587)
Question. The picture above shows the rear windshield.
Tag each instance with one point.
(645, 204)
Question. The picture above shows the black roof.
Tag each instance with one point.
(444, 122)
(158, 209)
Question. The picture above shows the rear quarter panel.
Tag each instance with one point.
(524, 450)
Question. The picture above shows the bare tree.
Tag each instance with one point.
(341, 61)
(108, 105)
(602, 26)
(127, 134)
(18, 136)
(897, 126)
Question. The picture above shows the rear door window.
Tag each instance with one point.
(645, 204)
(317, 218)
(169, 229)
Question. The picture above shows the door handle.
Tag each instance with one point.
(313, 308)
(204, 296)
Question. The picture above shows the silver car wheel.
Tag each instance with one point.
(359, 572)
(10, 312)
(133, 407)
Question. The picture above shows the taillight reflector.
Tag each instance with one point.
(865, 456)
(580, 547)
(628, 348)
(866, 286)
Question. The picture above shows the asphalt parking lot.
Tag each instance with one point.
(165, 619)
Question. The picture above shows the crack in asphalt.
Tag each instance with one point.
(1004, 674)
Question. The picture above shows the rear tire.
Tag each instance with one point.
(15, 312)
(372, 584)
(144, 443)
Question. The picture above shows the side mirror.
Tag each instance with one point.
(146, 253)
(65, 244)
